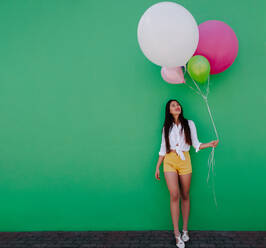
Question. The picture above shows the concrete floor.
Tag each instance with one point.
(118, 239)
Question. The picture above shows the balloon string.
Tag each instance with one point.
(188, 84)
(206, 101)
(211, 160)
(192, 88)
(205, 97)
(208, 86)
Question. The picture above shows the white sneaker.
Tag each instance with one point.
(185, 236)
(180, 243)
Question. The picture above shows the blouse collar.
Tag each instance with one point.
(179, 125)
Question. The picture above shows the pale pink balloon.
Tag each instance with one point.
(218, 43)
(173, 75)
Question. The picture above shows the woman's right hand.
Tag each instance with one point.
(157, 173)
(214, 143)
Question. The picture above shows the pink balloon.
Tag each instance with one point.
(173, 75)
(218, 43)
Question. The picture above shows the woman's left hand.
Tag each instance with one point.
(214, 143)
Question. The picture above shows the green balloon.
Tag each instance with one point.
(199, 68)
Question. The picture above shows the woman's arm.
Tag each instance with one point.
(162, 153)
(195, 142)
(160, 160)
(213, 143)
(157, 170)
(194, 137)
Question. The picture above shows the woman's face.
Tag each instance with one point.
(175, 108)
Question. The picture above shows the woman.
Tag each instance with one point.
(180, 134)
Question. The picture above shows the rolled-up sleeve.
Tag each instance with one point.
(162, 151)
(194, 137)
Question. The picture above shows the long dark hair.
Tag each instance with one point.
(169, 121)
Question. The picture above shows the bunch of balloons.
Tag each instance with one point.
(169, 36)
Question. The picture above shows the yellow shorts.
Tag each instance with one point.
(173, 162)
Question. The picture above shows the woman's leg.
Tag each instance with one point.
(185, 202)
(173, 187)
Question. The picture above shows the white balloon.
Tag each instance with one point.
(168, 34)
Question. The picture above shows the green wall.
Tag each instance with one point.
(82, 110)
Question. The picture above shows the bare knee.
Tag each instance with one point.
(185, 196)
(174, 195)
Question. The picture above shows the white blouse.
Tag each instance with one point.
(177, 140)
